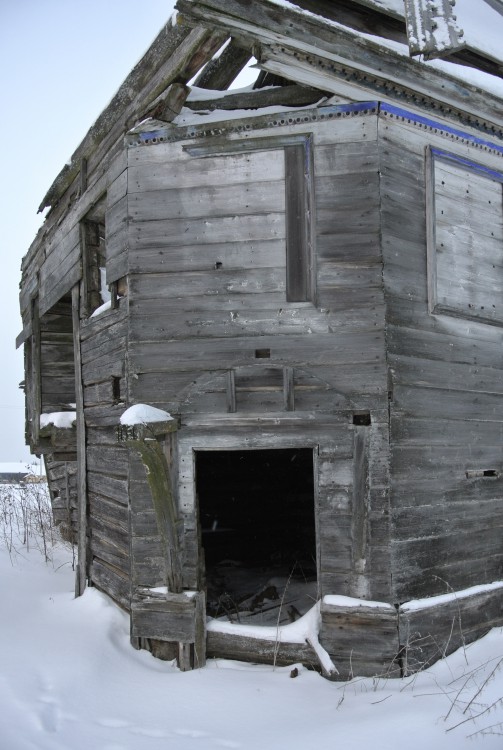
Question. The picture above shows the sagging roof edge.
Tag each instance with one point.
(173, 33)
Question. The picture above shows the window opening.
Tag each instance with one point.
(257, 522)
(93, 235)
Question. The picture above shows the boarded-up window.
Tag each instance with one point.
(286, 207)
(465, 243)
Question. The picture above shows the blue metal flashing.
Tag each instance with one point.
(320, 113)
(446, 156)
(398, 112)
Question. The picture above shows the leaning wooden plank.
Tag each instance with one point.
(286, 96)
(265, 22)
(220, 72)
(82, 566)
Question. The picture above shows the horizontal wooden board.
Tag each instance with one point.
(208, 203)
(434, 431)
(235, 255)
(180, 232)
(251, 322)
(149, 171)
(340, 159)
(106, 486)
(448, 347)
(446, 404)
(456, 377)
(354, 347)
(112, 581)
(430, 632)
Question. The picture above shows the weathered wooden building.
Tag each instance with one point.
(305, 278)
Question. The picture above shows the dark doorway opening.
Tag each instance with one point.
(257, 521)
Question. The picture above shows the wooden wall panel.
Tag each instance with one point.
(445, 390)
(207, 291)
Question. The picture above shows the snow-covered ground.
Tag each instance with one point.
(69, 680)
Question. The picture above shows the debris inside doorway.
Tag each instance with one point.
(256, 512)
(241, 594)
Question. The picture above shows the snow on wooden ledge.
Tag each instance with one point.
(436, 601)
(144, 414)
(60, 419)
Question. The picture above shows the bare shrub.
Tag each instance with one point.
(26, 520)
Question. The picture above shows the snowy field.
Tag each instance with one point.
(69, 679)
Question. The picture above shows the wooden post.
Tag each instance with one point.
(36, 374)
(81, 572)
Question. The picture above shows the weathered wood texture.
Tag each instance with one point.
(432, 631)
(57, 369)
(103, 348)
(207, 297)
(258, 650)
(306, 50)
(361, 640)
(61, 478)
(445, 380)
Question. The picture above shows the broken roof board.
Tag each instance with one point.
(175, 54)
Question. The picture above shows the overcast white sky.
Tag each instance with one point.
(61, 61)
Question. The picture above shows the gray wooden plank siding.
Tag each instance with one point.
(57, 369)
(103, 350)
(445, 376)
(207, 262)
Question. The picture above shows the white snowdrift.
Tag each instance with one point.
(71, 681)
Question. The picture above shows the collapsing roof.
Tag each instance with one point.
(208, 42)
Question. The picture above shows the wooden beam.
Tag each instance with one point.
(169, 104)
(220, 72)
(391, 76)
(265, 24)
(81, 572)
(286, 96)
(432, 30)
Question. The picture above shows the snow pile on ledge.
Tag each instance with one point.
(144, 414)
(434, 601)
(62, 419)
(337, 600)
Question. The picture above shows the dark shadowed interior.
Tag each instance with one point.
(256, 510)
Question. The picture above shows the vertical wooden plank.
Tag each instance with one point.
(84, 248)
(81, 573)
(288, 389)
(298, 196)
(36, 365)
(360, 510)
(200, 631)
(431, 251)
(185, 652)
(231, 391)
(83, 175)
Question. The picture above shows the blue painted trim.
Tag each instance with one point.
(473, 166)
(151, 135)
(390, 109)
